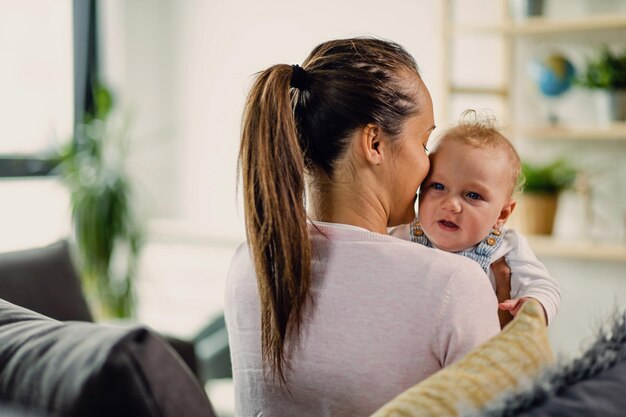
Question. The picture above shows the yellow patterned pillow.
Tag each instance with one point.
(519, 352)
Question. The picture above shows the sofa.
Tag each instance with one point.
(46, 280)
(67, 369)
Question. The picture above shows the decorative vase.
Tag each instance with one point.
(610, 106)
(538, 212)
(617, 102)
(534, 8)
(522, 9)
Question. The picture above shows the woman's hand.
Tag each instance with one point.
(502, 273)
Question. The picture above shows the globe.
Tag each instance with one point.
(554, 75)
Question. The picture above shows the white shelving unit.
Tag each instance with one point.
(508, 87)
(615, 132)
(542, 26)
(455, 30)
(578, 249)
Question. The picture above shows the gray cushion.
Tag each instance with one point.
(44, 280)
(12, 411)
(601, 396)
(86, 369)
(591, 385)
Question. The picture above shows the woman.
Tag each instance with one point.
(327, 315)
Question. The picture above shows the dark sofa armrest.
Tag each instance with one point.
(87, 369)
(44, 280)
(186, 350)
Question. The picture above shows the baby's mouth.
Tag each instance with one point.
(448, 225)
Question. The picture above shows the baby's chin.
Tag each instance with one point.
(451, 248)
(455, 246)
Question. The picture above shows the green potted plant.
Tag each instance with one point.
(542, 184)
(107, 232)
(606, 73)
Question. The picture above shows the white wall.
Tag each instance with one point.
(228, 41)
(183, 69)
(189, 65)
(591, 292)
(140, 64)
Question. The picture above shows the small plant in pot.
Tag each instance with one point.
(606, 73)
(541, 188)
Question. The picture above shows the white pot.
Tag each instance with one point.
(610, 106)
(617, 100)
(523, 9)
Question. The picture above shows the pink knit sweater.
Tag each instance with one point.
(386, 314)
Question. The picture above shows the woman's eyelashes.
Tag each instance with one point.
(425, 143)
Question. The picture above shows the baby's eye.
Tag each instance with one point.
(473, 196)
(437, 186)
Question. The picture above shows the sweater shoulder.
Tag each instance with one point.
(399, 256)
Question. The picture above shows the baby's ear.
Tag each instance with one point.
(505, 213)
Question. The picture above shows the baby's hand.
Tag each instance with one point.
(513, 305)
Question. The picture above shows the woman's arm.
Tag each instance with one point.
(502, 274)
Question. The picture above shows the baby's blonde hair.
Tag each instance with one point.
(478, 130)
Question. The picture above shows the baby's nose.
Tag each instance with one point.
(452, 204)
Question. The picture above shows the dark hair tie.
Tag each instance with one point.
(299, 78)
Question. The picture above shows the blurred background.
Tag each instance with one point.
(129, 112)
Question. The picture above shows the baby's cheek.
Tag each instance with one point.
(425, 203)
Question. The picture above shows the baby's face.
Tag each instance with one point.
(466, 194)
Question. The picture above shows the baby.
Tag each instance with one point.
(465, 202)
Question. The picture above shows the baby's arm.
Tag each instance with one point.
(529, 278)
(513, 305)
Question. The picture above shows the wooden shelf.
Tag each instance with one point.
(577, 249)
(542, 25)
(538, 26)
(616, 132)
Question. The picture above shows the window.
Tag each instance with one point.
(36, 116)
(36, 77)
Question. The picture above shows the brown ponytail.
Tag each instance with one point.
(272, 167)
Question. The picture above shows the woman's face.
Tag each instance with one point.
(410, 160)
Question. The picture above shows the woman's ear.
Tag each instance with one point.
(505, 213)
(370, 144)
